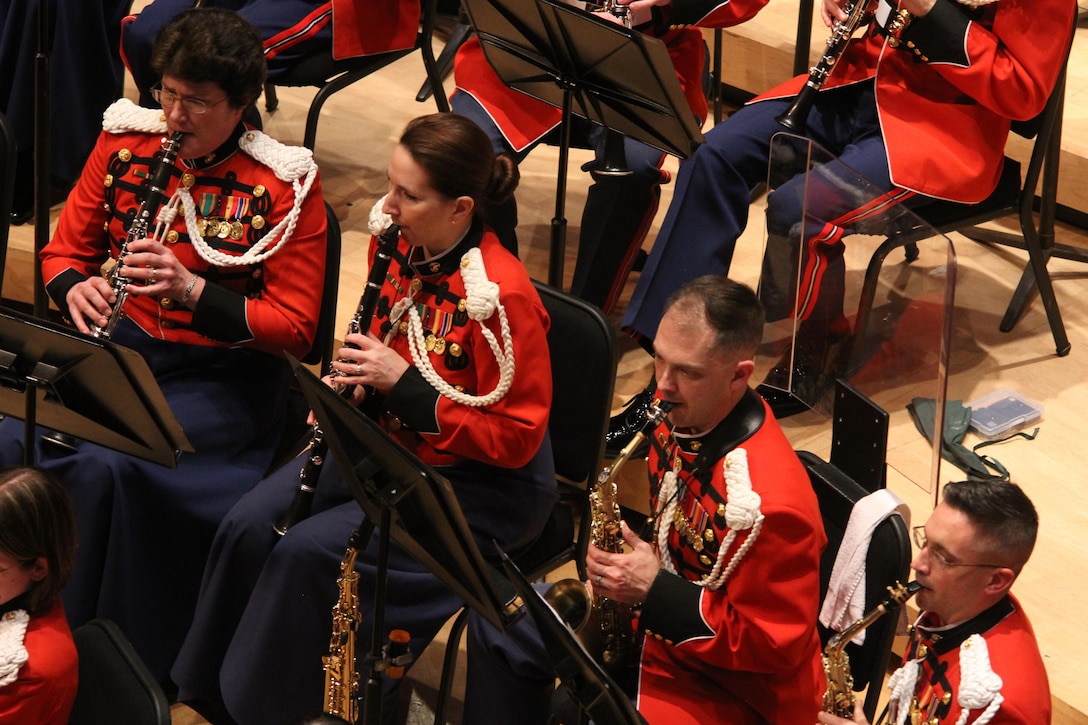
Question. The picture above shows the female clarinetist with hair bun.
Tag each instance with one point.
(458, 351)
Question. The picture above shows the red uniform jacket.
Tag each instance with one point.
(438, 430)
(747, 652)
(1014, 657)
(46, 687)
(945, 120)
(272, 306)
(363, 28)
(523, 120)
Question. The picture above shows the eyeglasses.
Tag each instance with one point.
(194, 106)
(942, 561)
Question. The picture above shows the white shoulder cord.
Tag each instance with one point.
(741, 513)
(289, 163)
(902, 684)
(13, 654)
(980, 686)
(482, 300)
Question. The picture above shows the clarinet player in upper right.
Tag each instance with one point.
(920, 104)
(971, 656)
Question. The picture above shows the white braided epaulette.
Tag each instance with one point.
(980, 686)
(289, 163)
(742, 513)
(13, 654)
(124, 116)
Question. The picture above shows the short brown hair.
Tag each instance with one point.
(36, 520)
(213, 45)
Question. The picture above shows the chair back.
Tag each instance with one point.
(7, 186)
(887, 562)
(114, 684)
(330, 76)
(321, 350)
(582, 350)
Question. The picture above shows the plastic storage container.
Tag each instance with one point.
(1002, 411)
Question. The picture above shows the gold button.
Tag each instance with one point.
(172, 236)
(166, 303)
(258, 222)
(187, 180)
(108, 181)
(250, 136)
(258, 190)
(124, 155)
(417, 284)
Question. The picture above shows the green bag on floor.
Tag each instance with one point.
(957, 419)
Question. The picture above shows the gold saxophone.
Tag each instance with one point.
(839, 696)
(341, 679)
(614, 640)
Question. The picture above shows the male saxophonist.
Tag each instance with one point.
(728, 582)
(972, 655)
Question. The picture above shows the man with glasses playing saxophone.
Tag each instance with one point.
(727, 585)
(972, 655)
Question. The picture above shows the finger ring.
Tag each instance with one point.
(599, 577)
(358, 369)
(154, 271)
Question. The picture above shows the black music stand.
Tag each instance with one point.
(84, 387)
(416, 507)
(584, 680)
(614, 76)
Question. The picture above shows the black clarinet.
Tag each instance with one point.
(796, 116)
(318, 447)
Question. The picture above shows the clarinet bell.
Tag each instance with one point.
(614, 162)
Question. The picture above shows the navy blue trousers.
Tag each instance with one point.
(709, 209)
(264, 621)
(144, 530)
(269, 17)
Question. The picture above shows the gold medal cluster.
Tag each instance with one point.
(434, 343)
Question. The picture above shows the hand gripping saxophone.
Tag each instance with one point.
(839, 696)
(149, 208)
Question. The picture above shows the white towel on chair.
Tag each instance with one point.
(844, 602)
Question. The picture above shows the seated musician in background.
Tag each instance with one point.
(38, 663)
(290, 30)
(477, 412)
(971, 656)
(619, 209)
(214, 297)
(920, 105)
(726, 585)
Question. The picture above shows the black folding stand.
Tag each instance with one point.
(86, 388)
(582, 679)
(614, 76)
(415, 507)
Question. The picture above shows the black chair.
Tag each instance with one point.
(1010, 197)
(582, 346)
(7, 186)
(297, 435)
(114, 684)
(329, 75)
(321, 350)
(887, 562)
